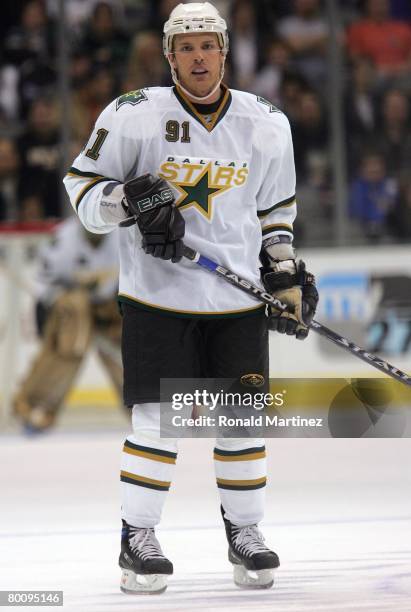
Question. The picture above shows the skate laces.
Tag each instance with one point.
(248, 540)
(144, 542)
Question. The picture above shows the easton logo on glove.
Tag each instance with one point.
(156, 200)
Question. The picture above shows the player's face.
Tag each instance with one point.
(197, 59)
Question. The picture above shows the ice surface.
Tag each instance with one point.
(338, 513)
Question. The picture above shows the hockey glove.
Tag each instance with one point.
(291, 283)
(150, 203)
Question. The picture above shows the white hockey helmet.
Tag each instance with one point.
(194, 18)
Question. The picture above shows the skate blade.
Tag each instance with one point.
(141, 584)
(253, 579)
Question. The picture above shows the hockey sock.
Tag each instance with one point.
(146, 468)
(240, 467)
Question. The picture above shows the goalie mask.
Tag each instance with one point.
(195, 18)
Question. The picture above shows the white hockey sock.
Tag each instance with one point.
(240, 467)
(146, 468)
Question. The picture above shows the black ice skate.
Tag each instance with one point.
(144, 566)
(253, 562)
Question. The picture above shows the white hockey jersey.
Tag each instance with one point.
(70, 260)
(234, 181)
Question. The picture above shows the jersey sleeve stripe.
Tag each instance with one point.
(278, 227)
(89, 186)
(75, 172)
(288, 202)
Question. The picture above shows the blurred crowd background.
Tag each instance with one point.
(278, 49)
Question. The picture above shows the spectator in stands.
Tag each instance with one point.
(78, 12)
(94, 90)
(146, 64)
(159, 13)
(394, 133)
(247, 43)
(306, 33)
(104, 42)
(384, 41)
(360, 110)
(36, 79)
(360, 104)
(267, 82)
(80, 71)
(310, 135)
(32, 39)
(39, 159)
(372, 196)
(9, 166)
(27, 53)
(102, 90)
(311, 148)
(400, 219)
(292, 87)
(393, 136)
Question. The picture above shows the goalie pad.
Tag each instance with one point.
(66, 339)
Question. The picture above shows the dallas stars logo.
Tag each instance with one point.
(273, 109)
(132, 97)
(199, 194)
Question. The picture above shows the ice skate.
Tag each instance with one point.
(253, 563)
(144, 566)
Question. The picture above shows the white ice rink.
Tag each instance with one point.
(338, 514)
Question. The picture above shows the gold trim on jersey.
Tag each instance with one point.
(277, 227)
(124, 297)
(95, 179)
(87, 188)
(283, 204)
(215, 117)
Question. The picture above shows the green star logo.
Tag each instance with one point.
(132, 97)
(199, 194)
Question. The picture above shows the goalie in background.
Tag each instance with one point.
(76, 307)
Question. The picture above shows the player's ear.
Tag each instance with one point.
(172, 60)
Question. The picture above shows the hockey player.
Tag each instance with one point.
(215, 167)
(76, 306)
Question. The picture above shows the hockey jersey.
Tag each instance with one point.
(234, 181)
(71, 260)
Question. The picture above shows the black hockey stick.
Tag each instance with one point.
(267, 298)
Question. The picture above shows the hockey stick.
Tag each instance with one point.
(320, 329)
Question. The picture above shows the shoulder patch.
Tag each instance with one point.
(132, 97)
(272, 108)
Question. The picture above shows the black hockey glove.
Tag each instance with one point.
(291, 283)
(150, 203)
